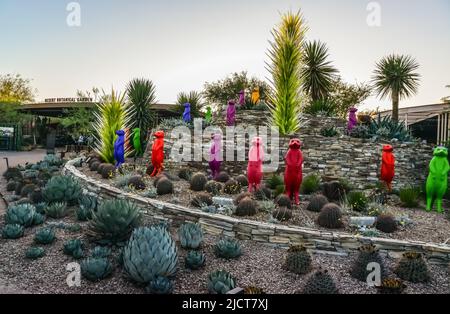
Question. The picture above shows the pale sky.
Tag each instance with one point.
(181, 44)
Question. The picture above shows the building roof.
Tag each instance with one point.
(412, 115)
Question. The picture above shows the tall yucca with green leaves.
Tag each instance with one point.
(141, 94)
(285, 54)
(111, 115)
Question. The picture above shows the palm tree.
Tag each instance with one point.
(395, 77)
(285, 54)
(141, 95)
(317, 73)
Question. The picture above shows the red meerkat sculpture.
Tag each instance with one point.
(255, 161)
(158, 153)
(388, 166)
(293, 174)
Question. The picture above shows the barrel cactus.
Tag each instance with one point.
(62, 189)
(198, 182)
(194, 260)
(150, 252)
(367, 254)
(391, 286)
(190, 235)
(283, 201)
(160, 285)
(282, 214)
(330, 216)
(12, 231)
(45, 236)
(220, 282)
(227, 248)
(202, 199)
(164, 186)
(320, 283)
(223, 177)
(22, 214)
(247, 207)
(34, 252)
(231, 187)
(412, 267)
(316, 203)
(95, 269)
(298, 260)
(386, 223)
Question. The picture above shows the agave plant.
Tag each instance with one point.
(95, 269)
(12, 231)
(22, 214)
(74, 248)
(62, 189)
(220, 282)
(388, 128)
(45, 236)
(101, 251)
(190, 235)
(227, 248)
(194, 98)
(113, 114)
(285, 55)
(160, 285)
(317, 73)
(194, 260)
(141, 94)
(34, 252)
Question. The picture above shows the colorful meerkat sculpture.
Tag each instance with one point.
(293, 174)
(208, 115)
(255, 96)
(255, 162)
(119, 148)
(215, 156)
(158, 153)
(436, 186)
(387, 166)
(241, 101)
(231, 113)
(187, 113)
(137, 142)
(352, 120)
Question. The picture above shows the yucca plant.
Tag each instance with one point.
(113, 114)
(317, 73)
(285, 54)
(141, 94)
(194, 98)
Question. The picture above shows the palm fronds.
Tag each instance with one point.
(194, 98)
(285, 54)
(141, 95)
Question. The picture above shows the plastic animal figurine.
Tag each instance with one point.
(187, 113)
(352, 120)
(208, 115)
(137, 142)
(215, 157)
(387, 166)
(254, 167)
(231, 113)
(241, 101)
(255, 96)
(293, 174)
(119, 148)
(437, 178)
(158, 153)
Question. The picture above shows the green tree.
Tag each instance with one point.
(395, 77)
(194, 98)
(286, 55)
(15, 89)
(344, 96)
(141, 95)
(317, 73)
(79, 121)
(446, 99)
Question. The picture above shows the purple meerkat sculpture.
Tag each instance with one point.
(231, 113)
(352, 121)
(241, 98)
(119, 148)
(215, 157)
(187, 113)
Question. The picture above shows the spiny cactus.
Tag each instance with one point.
(198, 182)
(213, 187)
(185, 174)
(316, 203)
(367, 254)
(194, 260)
(227, 248)
(62, 189)
(160, 285)
(113, 221)
(164, 186)
(190, 235)
(242, 180)
(247, 207)
(283, 201)
(391, 286)
(298, 260)
(95, 269)
(320, 283)
(330, 217)
(222, 177)
(12, 231)
(263, 193)
(108, 171)
(57, 210)
(202, 199)
(241, 196)
(93, 166)
(74, 248)
(45, 236)
(34, 252)
(220, 282)
(413, 268)
(231, 187)
(150, 252)
(100, 252)
(159, 177)
(333, 191)
(137, 183)
(386, 223)
(253, 290)
(22, 214)
(282, 213)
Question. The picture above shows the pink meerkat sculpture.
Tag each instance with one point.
(215, 154)
(241, 97)
(255, 161)
(352, 120)
(231, 113)
(293, 174)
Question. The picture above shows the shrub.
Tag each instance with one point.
(279, 190)
(12, 231)
(45, 236)
(160, 285)
(202, 199)
(329, 132)
(357, 201)
(213, 187)
(56, 210)
(274, 181)
(113, 221)
(137, 183)
(320, 283)
(198, 182)
(282, 213)
(74, 248)
(185, 174)
(194, 260)
(413, 268)
(283, 201)
(263, 193)
(298, 260)
(150, 252)
(410, 197)
(231, 187)
(310, 184)
(227, 248)
(22, 214)
(223, 177)
(190, 235)
(386, 223)
(330, 217)
(62, 189)
(246, 207)
(220, 282)
(367, 254)
(242, 180)
(164, 186)
(34, 252)
(95, 269)
(316, 203)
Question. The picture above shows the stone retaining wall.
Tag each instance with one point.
(272, 234)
